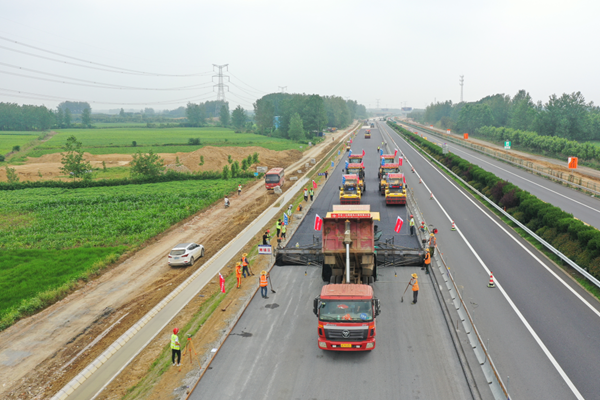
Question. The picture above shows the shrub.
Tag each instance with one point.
(194, 141)
(574, 228)
(1, 158)
(226, 174)
(16, 148)
(255, 158)
(496, 190)
(586, 235)
(509, 200)
(229, 159)
(134, 144)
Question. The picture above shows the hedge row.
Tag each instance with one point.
(169, 176)
(576, 240)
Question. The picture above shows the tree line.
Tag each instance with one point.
(568, 116)
(293, 116)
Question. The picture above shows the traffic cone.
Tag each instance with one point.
(453, 226)
(413, 170)
(431, 197)
(491, 284)
(420, 180)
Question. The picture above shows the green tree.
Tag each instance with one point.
(122, 113)
(146, 165)
(86, 117)
(224, 115)
(72, 160)
(11, 175)
(59, 117)
(474, 116)
(296, 128)
(195, 114)
(238, 118)
(67, 118)
(226, 174)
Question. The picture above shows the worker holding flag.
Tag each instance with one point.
(398, 226)
(222, 283)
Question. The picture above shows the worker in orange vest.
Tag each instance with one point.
(245, 265)
(238, 274)
(427, 261)
(263, 284)
(415, 287)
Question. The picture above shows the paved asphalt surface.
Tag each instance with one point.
(564, 323)
(272, 353)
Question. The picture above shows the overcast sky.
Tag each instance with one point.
(401, 52)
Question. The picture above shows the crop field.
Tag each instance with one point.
(51, 235)
(161, 140)
(9, 139)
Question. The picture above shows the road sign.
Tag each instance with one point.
(256, 174)
(507, 145)
(265, 249)
(332, 164)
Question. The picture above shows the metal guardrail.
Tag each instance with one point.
(528, 165)
(564, 258)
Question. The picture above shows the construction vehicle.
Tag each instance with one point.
(368, 134)
(355, 158)
(383, 171)
(372, 125)
(358, 169)
(348, 145)
(350, 192)
(387, 159)
(395, 193)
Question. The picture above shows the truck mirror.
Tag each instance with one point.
(377, 307)
(340, 188)
(315, 305)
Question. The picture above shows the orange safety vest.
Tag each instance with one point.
(432, 241)
(244, 261)
(263, 281)
(427, 258)
(238, 271)
(415, 286)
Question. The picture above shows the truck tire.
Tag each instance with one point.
(326, 273)
(338, 278)
(332, 280)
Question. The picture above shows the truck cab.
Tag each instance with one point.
(346, 317)
(396, 189)
(358, 169)
(355, 158)
(350, 192)
(384, 170)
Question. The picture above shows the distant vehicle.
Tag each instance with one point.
(275, 177)
(368, 134)
(185, 254)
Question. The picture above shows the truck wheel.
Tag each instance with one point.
(332, 280)
(338, 278)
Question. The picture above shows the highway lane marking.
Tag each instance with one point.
(527, 180)
(539, 341)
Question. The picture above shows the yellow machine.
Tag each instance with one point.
(350, 192)
(384, 170)
(396, 190)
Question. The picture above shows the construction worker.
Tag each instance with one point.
(326, 175)
(283, 231)
(239, 189)
(175, 347)
(427, 261)
(311, 192)
(432, 244)
(266, 237)
(305, 194)
(289, 211)
(412, 225)
(263, 284)
(238, 274)
(414, 282)
(245, 264)
(278, 226)
(377, 149)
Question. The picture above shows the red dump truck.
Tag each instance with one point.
(347, 307)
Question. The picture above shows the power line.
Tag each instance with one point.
(103, 85)
(258, 90)
(122, 70)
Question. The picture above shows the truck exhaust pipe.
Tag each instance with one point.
(347, 242)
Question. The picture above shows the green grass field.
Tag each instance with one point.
(49, 236)
(9, 139)
(161, 140)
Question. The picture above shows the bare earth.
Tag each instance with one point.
(41, 353)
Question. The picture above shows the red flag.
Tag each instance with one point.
(362, 164)
(314, 185)
(222, 283)
(363, 152)
(318, 222)
(400, 161)
(399, 223)
(395, 152)
(350, 141)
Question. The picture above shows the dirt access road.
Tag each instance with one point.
(49, 348)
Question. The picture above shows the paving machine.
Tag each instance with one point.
(358, 169)
(350, 192)
(384, 170)
(395, 193)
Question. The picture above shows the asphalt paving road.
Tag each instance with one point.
(272, 353)
(555, 310)
(581, 205)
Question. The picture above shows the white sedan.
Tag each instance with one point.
(185, 254)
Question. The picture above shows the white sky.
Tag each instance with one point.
(397, 51)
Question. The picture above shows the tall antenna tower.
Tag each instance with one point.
(462, 82)
(282, 89)
(220, 86)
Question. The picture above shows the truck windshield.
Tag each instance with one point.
(390, 170)
(272, 178)
(346, 310)
(354, 171)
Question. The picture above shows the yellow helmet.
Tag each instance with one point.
(237, 264)
(414, 276)
(245, 255)
(263, 272)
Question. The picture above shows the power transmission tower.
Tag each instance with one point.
(462, 82)
(377, 100)
(220, 86)
(282, 88)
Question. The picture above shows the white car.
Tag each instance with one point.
(185, 254)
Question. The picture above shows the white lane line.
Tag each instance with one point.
(506, 296)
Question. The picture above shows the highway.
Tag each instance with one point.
(581, 205)
(542, 327)
(272, 353)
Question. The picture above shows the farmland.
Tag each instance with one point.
(162, 140)
(10, 139)
(49, 236)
